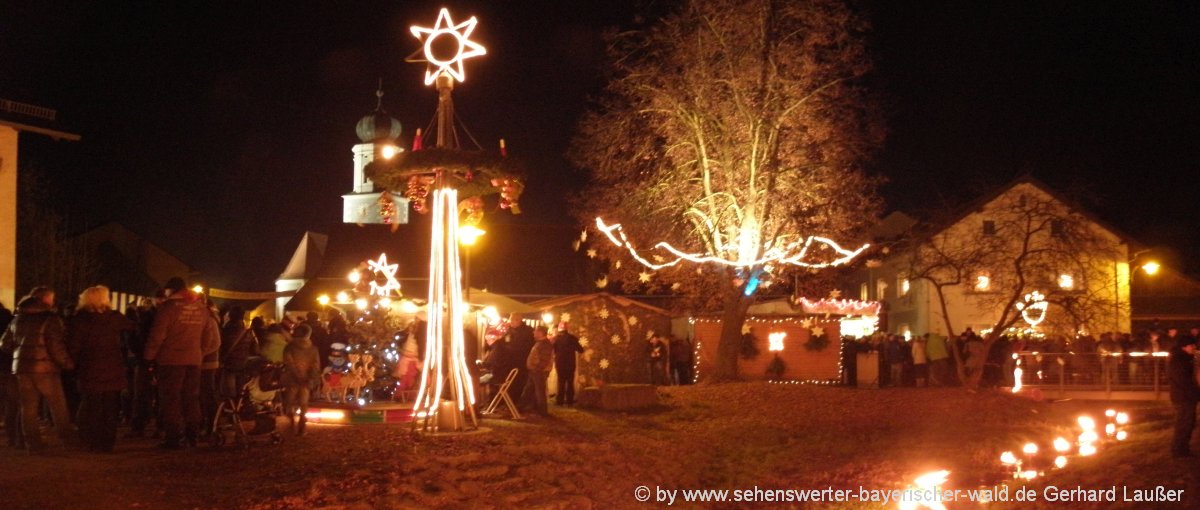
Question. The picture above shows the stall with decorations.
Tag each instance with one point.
(615, 333)
(789, 341)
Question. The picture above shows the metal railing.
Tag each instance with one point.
(1122, 371)
(11, 106)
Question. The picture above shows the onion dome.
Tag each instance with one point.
(378, 126)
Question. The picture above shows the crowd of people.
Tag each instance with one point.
(167, 362)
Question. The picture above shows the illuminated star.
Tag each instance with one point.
(617, 265)
(633, 320)
(389, 273)
(675, 286)
(834, 294)
(603, 313)
(591, 253)
(451, 50)
(604, 363)
(818, 331)
(644, 277)
(616, 339)
(583, 341)
(602, 282)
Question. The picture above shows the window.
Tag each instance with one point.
(983, 282)
(903, 284)
(1066, 281)
(862, 292)
(989, 228)
(880, 289)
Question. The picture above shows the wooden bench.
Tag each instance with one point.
(618, 397)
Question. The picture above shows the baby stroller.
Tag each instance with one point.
(255, 411)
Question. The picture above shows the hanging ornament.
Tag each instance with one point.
(591, 253)
(470, 211)
(615, 339)
(418, 191)
(603, 313)
(387, 210)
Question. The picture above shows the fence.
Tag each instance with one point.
(1112, 372)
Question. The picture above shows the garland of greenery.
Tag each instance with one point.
(817, 342)
(475, 168)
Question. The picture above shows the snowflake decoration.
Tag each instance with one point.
(633, 320)
(675, 286)
(649, 334)
(699, 271)
(603, 313)
(617, 265)
(745, 329)
(566, 317)
(583, 236)
(644, 277)
(616, 339)
(818, 331)
(602, 282)
(583, 341)
(659, 259)
(591, 253)
(604, 363)
(806, 323)
(835, 294)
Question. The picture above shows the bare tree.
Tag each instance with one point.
(731, 135)
(46, 252)
(1035, 242)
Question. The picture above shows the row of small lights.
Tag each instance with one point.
(1086, 443)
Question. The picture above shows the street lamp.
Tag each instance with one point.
(1151, 267)
(467, 236)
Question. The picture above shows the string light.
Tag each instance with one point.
(839, 306)
(446, 312)
(1034, 302)
(787, 249)
(389, 274)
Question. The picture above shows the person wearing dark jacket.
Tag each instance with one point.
(94, 337)
(10, 393)
(301, 374)
(514, 352)
(145, 392)
(35, 338)
(184, 331)
(1185, 393)
(565, 347)
(538, 363)
(238, 345)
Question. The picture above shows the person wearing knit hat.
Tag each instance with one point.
(1185, 393)
(301, 375)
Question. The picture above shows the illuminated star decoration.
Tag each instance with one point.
(835, 294)
(791, 250)
(463, 48)
(602, 282)
(591, 253)
(644, 277)
(389, 273)
(616, 339)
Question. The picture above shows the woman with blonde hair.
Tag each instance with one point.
(94, 337)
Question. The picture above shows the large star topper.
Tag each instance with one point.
(389, 274)
(445, 47)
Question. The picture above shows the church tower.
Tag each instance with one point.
(378, 132)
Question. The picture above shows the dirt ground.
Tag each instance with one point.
(737, 436)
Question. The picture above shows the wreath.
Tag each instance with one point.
(476, 174)
(817, 342)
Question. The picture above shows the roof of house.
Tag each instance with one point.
(621, 300)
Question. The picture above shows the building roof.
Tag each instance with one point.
(567, 300)
(34, 119)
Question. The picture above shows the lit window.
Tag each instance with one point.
(862, 292)
(904, 285)
(880, 288)
(982, 282)
(1066, 282)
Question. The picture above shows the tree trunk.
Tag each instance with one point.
(729, 347)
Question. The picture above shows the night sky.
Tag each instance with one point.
(223, 132)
